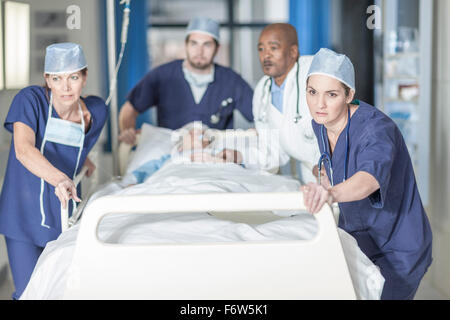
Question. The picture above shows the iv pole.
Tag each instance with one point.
(111, 39)
(113, 69)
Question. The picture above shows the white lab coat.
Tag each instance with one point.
(296, 140)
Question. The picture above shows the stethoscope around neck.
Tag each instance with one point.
(327, 157)
(266, 93)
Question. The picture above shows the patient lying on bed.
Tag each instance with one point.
(200, 145)
(192, 145)
(155, 164)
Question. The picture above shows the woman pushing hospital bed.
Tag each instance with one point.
(53, 127)
(228, 254)
(368, 175)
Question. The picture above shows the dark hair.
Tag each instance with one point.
(47, 89)
(346, 88)
(215, 40)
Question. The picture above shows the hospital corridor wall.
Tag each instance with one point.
(439, 208)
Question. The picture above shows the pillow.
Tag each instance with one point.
(154, 143)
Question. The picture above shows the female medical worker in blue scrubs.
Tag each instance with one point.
(369, 174)
(53, 129)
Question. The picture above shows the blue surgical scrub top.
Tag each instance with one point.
(277, 93)
(166, 88)
(20, 216)
(390, 226)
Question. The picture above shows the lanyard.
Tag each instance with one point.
(53, 126)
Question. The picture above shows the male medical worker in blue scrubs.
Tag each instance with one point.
(53, 129)
(369, 173)
(194, 89)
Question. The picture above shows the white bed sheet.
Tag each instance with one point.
(50, 275)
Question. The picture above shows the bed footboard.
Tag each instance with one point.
(306, 269)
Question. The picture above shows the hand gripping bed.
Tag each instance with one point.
(314, 269)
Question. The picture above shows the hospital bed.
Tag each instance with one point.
(202, 231)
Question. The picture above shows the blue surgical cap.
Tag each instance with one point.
(204, 25)
(64, 58)
(329, 63)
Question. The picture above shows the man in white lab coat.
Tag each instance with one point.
(282, 117)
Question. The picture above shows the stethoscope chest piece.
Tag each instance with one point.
(214, 119)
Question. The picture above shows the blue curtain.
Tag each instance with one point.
(135, 63)
(311, 18)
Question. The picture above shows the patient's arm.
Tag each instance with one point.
(127, 123)
(207, 157)
(224, 156)
(194, 139)
(230, 156)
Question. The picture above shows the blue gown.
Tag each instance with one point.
(166, 88)
(390, 226)
(20, 216)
